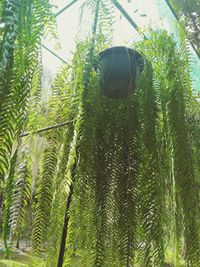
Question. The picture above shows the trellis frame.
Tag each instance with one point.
(125, 14)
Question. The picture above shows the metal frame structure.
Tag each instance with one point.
(129, 19)
(125, 14)
(65, 8)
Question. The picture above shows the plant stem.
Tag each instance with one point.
(65, 227)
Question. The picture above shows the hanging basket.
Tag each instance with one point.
(119, 69)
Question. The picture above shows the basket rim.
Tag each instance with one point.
(113, 49)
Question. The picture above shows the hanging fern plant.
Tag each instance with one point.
(128, 159)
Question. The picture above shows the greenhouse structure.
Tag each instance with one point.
(100, 133)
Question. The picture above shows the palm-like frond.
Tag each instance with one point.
(173, 89)
(50, 184)
(58, 202)
(21, 197)
(11, 20)
(44, 195)
(19, 56)
(8, 200)
(45, 183)
(185, 176)
(152, 183)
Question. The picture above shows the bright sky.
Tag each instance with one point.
(144, 13)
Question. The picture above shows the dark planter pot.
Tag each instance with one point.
(119, 70)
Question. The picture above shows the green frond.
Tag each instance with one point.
(8, 200)
(59, 201)
(11, 20)
(21, 198)
(19, 57)
(50, 185)
(44, 195)
(185, 177)
(152, 182)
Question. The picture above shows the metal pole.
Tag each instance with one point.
(65, 8)
(126, 15)
(47, 128)
(50, 51)
(56, 15)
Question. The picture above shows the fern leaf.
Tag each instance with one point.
(8, 200)
(21, 197)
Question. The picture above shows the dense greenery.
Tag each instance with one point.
(133, 164)
(189, 14)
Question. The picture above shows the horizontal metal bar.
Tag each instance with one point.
(47, 128)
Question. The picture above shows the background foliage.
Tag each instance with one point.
(189, 14)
